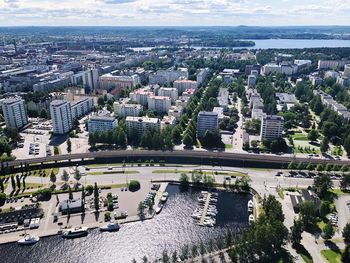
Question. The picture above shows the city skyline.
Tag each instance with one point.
(172, 13)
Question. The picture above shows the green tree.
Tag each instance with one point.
(273, 208)
(295, 232)
(52, 177)
(96, 198)
(69, 146)
(174, 257)
(13, 183)
(328, 231)
(77, 175)
(187, 140)
(56, 150)
(65, 176)
(345, 182)
(322, 185)
(346, 234)
(313, 135)
(44, 114)
(308, 213)
(70, 193)
(324, 145)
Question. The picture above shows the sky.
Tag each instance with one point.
(173, 12)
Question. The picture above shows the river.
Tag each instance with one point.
(281, 43)
(171, 229)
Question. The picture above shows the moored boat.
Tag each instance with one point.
(110, 227)
(75, 232)
(28, 240)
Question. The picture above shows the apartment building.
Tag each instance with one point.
(101, 123)
(14, 111)
(271, 127)
(165, 77)
(81, 107)
(126, 109)
(206, 121)
(169, 92)
(141, 124)
(109, 81)
(159, 104)
(61, 116)
(183, 84)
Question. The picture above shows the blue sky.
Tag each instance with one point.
(173, 12)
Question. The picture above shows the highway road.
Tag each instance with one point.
(180, 156)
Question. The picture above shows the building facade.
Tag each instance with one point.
(140, 125)
(206, 121)
(14, 113)
(271, 127)
(61, 116)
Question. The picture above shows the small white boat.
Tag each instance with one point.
(159, 208)
(164, 197)
(110, 227)
(75, 232)
(28, 240)
(251, 219)
(250, 206)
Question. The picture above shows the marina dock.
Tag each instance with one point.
(205, 209)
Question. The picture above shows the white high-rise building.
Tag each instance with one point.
(86, 78)
(169, 92)
(61, 116)
(271, 127)
(14, 112)
(206, 121)
(101, 123)
(159, 104)
(82, 107)
(126, 109)
(140, 125)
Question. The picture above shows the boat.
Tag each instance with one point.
(159, 208)
(164, 197)
(110, 227)
(75, 232)
(250, 206)
(28, 240)
(251, 219)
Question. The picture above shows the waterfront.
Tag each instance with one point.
(171, 229)
(281, 44)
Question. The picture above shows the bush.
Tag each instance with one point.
(89, 189)
(43, 194)
(2, 198)
(134, 185)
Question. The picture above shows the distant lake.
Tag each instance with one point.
(281, 43)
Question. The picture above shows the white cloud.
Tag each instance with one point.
(173, 12)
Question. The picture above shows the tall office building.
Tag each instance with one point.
(61, 116)
(271, 127)
(14, 113)
(206, 121)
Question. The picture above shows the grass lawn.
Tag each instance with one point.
(338, 192)
(103, 165)
(113, 185)
(280, 193)
(228, 146)
(300, 137)
(114, 172)
(332, 256)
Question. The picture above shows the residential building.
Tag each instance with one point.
(141, 96)
(175, 111)
(206, 121)
(14, 111)
(169, 92)
(346, 72)
(202, 75)
(285, 99)
(159, 104)
(331, 74)
(223, 98)
(81, 107)
(109, 81)
(271, 127)
(344, 81)
(140, 125)
(315, 80)
(257, 114)
(188, 93)
(184, 84)
(220, 112)
(126, 109)
(251, 80)
(165, 77)
(331, 64)
(87, 78)
(61, 116)
(101, 123)
(167, 121)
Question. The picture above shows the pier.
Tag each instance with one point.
(205, 209)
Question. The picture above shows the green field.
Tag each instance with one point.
(332, 256)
